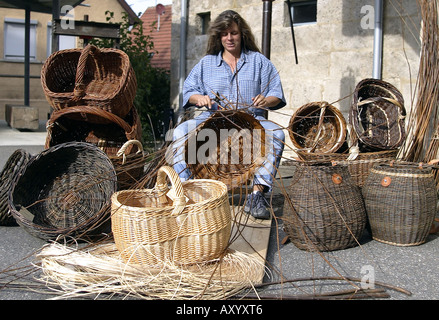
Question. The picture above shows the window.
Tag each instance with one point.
(204, 20)
(14, 39)
(65, 42)
(303, 12)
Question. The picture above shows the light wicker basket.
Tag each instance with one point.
(187, 224)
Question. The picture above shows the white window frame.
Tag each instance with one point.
(297, 3)
(14, 30)
(65, 42)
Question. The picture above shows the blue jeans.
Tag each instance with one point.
(264, 174)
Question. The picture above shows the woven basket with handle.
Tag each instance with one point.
(187, 224)
(100, 78)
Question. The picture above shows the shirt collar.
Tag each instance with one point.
(242, 58)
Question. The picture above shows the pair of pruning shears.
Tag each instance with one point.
(217, 100)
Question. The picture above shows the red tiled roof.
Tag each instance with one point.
(160, 34)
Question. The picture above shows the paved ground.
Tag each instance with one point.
(412, 268)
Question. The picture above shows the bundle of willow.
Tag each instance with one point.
(99, 271)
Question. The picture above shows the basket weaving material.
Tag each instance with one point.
(400, 200)
(378, 115)
(101, 78)
(239, 148)
(12, 166)
(151, 229)
(64, 190)
(358, 168)
(326, 211)
(318, 127)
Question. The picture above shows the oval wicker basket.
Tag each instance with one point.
(400, 200)
(63, 191)
(318, 127)
(239, 148)
(152, 227)
(378, 115)
(98, 77)
(15, 162)
(326, 210)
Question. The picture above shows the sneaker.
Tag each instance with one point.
(257, 206)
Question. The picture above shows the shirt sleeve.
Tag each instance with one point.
(271, 85)
(192, 83)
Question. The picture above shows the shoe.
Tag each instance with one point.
(257, 206)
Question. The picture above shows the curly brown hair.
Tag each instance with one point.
(222, 23)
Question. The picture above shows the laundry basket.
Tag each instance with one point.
(188, 224)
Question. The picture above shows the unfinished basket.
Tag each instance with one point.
(325, 211)
(378, 115)
(358, 166)
(238, 152)
(63, 191)
(18, 159)
(400, 200)
(100, 78)
(188, 224)
(318, 127)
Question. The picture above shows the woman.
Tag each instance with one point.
(235, 73)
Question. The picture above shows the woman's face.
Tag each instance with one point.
(231, 39)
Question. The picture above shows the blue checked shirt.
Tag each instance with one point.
(255, 75)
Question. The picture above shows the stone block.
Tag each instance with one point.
(22, 117)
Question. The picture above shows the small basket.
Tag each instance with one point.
(63, 191)
(187, 225)
(358, 167)
(378, 115)
(100, 78)
(400, 200)
(318, 127)
(15, 162)
(239, 136)
(326, 210)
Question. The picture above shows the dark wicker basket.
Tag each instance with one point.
(100, 78)
(64, 191)
(325, 211)
(245, 149)
(15, 162)
(378, 115)
(318, 127)
(400, 200)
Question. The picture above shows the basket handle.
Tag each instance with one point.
(122, 150)
(161, 186)
(89, 50)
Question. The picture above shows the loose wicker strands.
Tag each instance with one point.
(12, 167)
(378, 115)
(100, 78)
(358, 168)
(64, 190)
(240, 148)
(318, 127)
(150, 228)
(400, 200)
(325, 210)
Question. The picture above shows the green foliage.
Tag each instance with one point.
(153, 84)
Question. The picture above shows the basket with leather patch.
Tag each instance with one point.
(187, 224)
(64, 191)
(98, 77)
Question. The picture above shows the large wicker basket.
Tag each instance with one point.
(239, 149)
(64, 191)
(378, 115)
(153, 227)
(318, 127)
(101, 78)
(400, 200)
(325, 211)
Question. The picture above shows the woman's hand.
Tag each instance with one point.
(201, 101)
(265, 102)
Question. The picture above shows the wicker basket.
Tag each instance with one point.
(326, 211)
(318, 127)
(15, 162)
(378, 115)
(400, 200)
(240, 137)
(129, 167)
(151, 229)
(63, 191)
(100, 78)
(358, 168)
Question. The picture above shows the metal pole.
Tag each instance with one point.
(26, 54)
(55, 15)
(292, 31)
(182, 71)
(266, 28)
(378, 40)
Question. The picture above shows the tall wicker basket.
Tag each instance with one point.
(325, 211)
(188, 224)
(400, 200)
